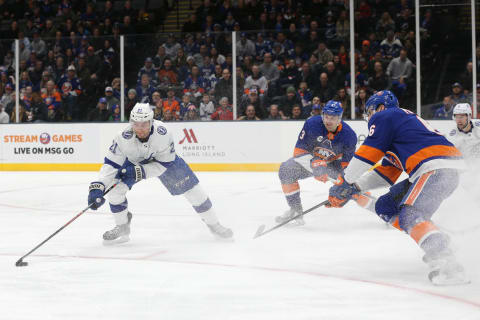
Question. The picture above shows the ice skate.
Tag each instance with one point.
(290, 213)
(445, 270)
(119, 234)
(220, 231)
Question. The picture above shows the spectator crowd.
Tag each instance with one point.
(292, 57)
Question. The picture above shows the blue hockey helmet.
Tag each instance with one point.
(333, 108)
(385, 97)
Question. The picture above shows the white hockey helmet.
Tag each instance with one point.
(463, 108)
(141, 112)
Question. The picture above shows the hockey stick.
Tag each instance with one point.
(21, 263)
(260, 231)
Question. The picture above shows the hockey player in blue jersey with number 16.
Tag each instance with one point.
(145, 149)
(324, 147)
(406, 143)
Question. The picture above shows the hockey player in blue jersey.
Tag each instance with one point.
(406, 143)
(145, 149)
(324, 147)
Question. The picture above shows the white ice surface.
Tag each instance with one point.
(344, 264)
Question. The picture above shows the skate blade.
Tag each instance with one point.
(119, 240)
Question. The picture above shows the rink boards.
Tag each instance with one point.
(206, 146)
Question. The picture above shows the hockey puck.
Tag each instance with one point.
(21, 263)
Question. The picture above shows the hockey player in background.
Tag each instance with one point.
(407, 144)
(324, 147)
(145, 149)
(466, 136)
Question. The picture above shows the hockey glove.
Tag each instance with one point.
(95, 195)
(322, 171)
(319, 169)
(341, 193)
(130, 173)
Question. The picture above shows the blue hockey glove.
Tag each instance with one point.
(95, 195)
(341, 193)
(130, 173)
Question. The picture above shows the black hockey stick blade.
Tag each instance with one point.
(259, 231)
(21, 263)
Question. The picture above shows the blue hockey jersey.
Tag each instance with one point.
(406, 143)
(315, 139)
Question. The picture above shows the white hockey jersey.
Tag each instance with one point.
(158, 150)
(467, 142)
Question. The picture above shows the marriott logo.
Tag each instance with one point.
(189, 136)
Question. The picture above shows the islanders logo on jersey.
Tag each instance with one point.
(44, 138)
(323, 153)
(394, 160)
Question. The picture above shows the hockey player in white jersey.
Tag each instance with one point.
(466, 136)
(145, 149)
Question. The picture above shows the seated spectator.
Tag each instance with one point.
(316, 109)
(324, 90)
(148, 69)
(186, 102)
(323, 54)
(249, 114)
(111, 99)
(100, 113)
(297, 113)
(445, 110)
(385, 24)
(130, 102)
(344, 99)
(391, 46)
(274, 113)
(70, 104)
(399, 71)
(360, 103)
(269, 70)
(171, 46)
(258, 80)
(159, 58)
(224, 87)
(289, 75)
(115, 114)
(7, 96)
(252, 98)
(4, 117)
(223, 111)
(245, 46)
(287, 101)
(307, 75)
(172, 104)
(167, 75)
(195, 83)
(207, 108)
(52, 93)
(156, 103)
(192, 114)
(457, 95)
(168, 116)
(145, 89)
(335, 76)
(38, 109)
(379, 80)
(71, 78)
(305, 95)
(157, 108)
